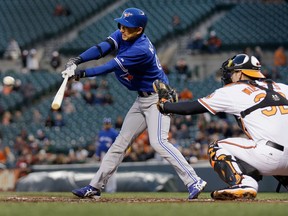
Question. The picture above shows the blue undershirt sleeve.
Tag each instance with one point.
(102, 69)
(96, 52)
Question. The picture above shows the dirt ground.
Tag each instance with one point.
(35, 199)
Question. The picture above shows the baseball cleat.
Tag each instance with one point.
(87, 192)
(196, 188)
(234, 192)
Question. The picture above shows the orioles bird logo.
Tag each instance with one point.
(210, 96)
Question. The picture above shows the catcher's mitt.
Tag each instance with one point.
(165, 94)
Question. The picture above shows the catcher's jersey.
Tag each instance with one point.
(269, 123)
(136, 63)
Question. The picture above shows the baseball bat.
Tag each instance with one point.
(56, 104)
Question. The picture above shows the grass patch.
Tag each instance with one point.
(67, 205)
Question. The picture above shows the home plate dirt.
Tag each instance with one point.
(37, 199)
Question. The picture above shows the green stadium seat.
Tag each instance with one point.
(161, 12)
(33, 20)
(266, 27)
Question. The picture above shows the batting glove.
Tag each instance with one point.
(70, 71)
(79, 74)
(73, 61)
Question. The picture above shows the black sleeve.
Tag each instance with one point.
(185, 108)
(110, 41)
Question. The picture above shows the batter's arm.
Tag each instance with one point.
(98, 51)
(184, 108)
(93, 53)
(98, 70)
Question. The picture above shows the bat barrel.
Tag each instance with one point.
(56, 104)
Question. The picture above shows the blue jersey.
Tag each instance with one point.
(106, 139)
(136, 64)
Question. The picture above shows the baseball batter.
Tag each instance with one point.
(136, 66)
(261, 108)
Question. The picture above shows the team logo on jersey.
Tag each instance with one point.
(127, 77)
(210, 96)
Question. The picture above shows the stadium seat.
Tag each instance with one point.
(34, 20)
(161, 12)
(265, 26)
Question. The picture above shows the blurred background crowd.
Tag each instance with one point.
(193, 38)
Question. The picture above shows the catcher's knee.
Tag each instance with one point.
(223, 165)
(249, 170)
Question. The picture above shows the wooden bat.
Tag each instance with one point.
(56, 104)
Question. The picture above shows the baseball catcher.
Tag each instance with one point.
(261, 109)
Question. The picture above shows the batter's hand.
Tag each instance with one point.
(79, 74)
(73, 61)
(70, 71)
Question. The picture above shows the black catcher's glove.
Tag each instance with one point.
(165, 94)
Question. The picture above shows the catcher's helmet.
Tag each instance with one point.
(132, 18)
(248, 65)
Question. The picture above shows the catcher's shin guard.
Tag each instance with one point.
(223, 165)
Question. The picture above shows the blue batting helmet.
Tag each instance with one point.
(132, 18)
(107, 121)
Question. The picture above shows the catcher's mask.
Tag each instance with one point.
(248, 65)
